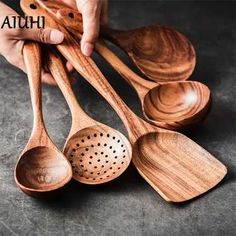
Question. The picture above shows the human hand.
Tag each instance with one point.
(12, 42)
(94, 13)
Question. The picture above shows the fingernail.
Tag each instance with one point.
(56, 36)
(87, 49)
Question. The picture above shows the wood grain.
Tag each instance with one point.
(188, 108)
(97, 153)
(156, 152)
(161, 53)
(41, 169)
(185, 103)
(173, 105)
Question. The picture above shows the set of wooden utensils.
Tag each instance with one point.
(94, 153)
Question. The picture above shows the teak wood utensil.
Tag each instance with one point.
(97, 153)
(174, 105)
(41, 168)
(175, 166)
(160, 52)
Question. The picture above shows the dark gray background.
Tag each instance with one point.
(128, 206)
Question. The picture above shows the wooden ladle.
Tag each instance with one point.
(161, 53)
(97, 153)
(174, 105)
(41, 168)
(175, 166)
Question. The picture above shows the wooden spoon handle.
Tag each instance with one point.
(70, 49)
(32, 59)
(88, 69)
(72, 20)
(80, 119)
(138, 83)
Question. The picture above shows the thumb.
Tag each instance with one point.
(47, 35)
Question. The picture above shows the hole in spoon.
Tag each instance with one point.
(71, 15)
(98, 154)
(33, 6)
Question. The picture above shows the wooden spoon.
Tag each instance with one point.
(97, 153)
(161, 53)
(41, 168)
(174, 105)
(175, 166)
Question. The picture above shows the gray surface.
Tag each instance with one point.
(128, 206)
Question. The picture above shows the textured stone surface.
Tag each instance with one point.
(128, 206)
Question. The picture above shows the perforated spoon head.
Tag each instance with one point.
(42, 170)
(98, 154)
(177, 105)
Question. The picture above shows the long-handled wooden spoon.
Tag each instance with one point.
(41, 168)
(175, 166)
(161, 53)
(98, 153)
(174, 105)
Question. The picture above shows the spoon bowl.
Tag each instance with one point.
(98, 154)
(161, 53)
(177, 104)
(42, 169)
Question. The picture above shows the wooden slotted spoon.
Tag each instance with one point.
(42, 168)
(97, 153)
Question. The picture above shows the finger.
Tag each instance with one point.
(104, 13)
(48, 79)
(47, 35)
(69, 67)
(91, 24)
